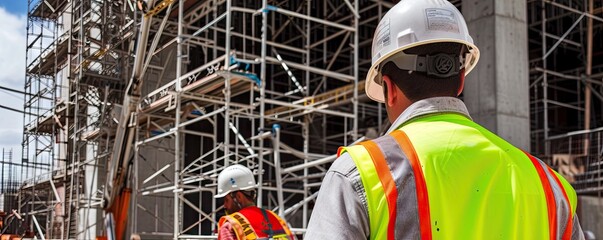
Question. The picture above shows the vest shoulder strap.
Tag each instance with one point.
(420, 184)
(240, 225)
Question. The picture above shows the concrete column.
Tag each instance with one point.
(590, 213)
(496, 91)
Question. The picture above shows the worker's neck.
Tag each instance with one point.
(248, 204)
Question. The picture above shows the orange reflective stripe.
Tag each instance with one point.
(567, 234)
(550, 197)
(387, 181)
(340, 150)
(421, 186)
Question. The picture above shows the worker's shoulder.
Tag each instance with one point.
(344, 165)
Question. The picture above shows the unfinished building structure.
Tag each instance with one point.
(566, 96)
(273, 85)
(77, 56)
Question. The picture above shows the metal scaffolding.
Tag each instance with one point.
(566, 89)
(40, 99)
(269, 84)
(77, 58)
(252, 83)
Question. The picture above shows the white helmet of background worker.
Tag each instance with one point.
(235, 178)
(412, 23)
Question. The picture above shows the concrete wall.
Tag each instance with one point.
(497, 90)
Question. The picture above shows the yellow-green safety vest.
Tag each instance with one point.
(442, 176)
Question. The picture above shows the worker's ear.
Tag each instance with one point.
(239, 195)
(461, 82)
(392, 94)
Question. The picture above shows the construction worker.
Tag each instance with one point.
(436, 174)
(244, 220)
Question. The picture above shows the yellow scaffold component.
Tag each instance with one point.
(97, 55)
(158, 8)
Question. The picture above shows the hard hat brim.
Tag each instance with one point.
(221, 195)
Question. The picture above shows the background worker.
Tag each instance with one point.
(436, 174)
(236, 184)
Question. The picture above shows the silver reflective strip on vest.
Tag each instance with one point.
(407, 215)
(563, 207)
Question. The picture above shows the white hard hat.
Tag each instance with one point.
(234, 178)
(412, 23)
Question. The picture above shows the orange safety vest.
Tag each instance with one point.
(257, 223)
(442, 176)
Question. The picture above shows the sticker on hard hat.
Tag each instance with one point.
(441, 20)
(382, 36)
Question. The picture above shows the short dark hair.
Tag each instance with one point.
(418, 85)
